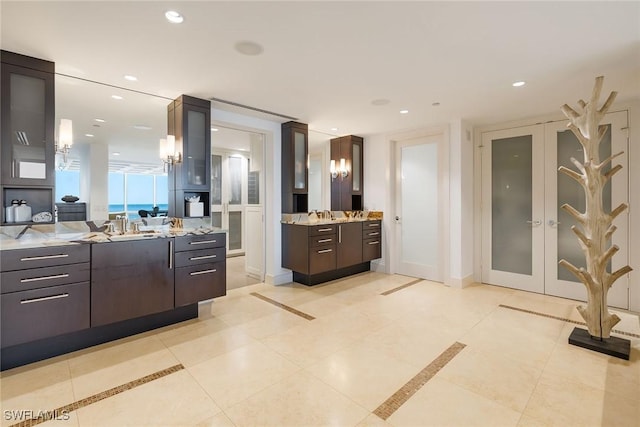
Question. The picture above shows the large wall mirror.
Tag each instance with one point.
(319, 179)
(123, 129)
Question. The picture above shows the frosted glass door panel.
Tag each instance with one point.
(300, 161)
(511, 205)
(235, 180)
(195, 157)
(569, 191)
(355, 167)
(419, 186)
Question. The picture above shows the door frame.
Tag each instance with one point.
(444, 202)
(264, 189)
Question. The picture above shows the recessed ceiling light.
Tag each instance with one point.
(435, 104)
(90, 135)
(381, 101)
(404, 111)
(334, 129)
(115, 153)
(214, 129)
(517, 84)
(118, 97)
(249, 48)
(174, 17)
(131, 78)
(99, 120)
(142, 127)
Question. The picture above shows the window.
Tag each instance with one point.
(130, 193)
(67, 183)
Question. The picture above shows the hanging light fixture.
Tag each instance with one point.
(168, 152)
(65, 138)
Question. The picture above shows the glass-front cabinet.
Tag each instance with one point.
(295, 175)
(27, 123)
(189, 121)
(28, 145)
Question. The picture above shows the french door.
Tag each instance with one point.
(228, 196)
(524, 230)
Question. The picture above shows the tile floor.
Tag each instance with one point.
(424, 355)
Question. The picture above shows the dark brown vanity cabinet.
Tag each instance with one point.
(131, 279)
(295, 175)
(347, 189)
(200, 268)
(44, 293)
(27, 125)
(189, 120)
(371, 240)
(349, 245)
(322, 252)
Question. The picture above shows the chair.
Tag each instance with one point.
(143, 213)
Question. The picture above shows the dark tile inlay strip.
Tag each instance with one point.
(63, 411)
(399, 288)
(563, 319)
(386, 409)
(283, 306)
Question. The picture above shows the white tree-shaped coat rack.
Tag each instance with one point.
(595, 225)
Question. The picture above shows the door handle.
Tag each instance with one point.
(534, 223)
(554, 223)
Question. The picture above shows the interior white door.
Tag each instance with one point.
(513, 208)
(419, 208)
(561, 144)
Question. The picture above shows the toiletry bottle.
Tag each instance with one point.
(10, 211)
(22, 212)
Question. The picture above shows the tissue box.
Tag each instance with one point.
(195, 209)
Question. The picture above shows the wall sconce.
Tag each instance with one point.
(342, 171)
(65, 138)
(168, 152)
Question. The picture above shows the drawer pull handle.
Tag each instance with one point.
(29, 301)
(36, 279)
(195, 258)
(325, 229)
(36, 258)
(374, 243)
(203, 242)
(374, 225)
(324, 240)
(324, 251)
(374, 233)
(195, 273)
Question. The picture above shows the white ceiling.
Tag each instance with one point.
(325, 62)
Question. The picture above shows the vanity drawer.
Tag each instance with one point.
(319, 230)
(35, 278)
(20, 259)
(368, 233)
(322, 240)
(202, 256)
(368, 226)
(200, 282)
(371, 249)
(42, 313)
(322, 258)
(201, 241)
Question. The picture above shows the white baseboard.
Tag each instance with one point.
(461, 283)
(279, 279)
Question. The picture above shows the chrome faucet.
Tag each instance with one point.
(326, 214)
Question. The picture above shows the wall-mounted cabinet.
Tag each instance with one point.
(347, 188)
(189, 120)
(295, 174)
(27, 123)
